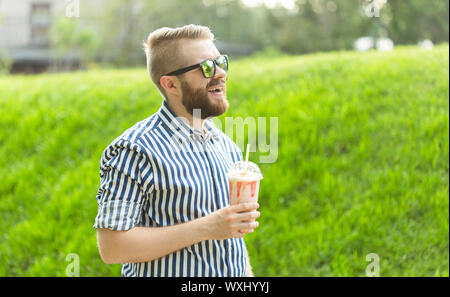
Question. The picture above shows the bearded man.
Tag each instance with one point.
(163, 210)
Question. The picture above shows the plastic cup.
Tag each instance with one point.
(244, 178)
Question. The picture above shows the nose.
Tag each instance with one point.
(220, 73)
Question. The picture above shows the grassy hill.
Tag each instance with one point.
(362, 163)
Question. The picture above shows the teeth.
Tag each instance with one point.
(216, 90)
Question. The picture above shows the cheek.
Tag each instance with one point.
(200, 88)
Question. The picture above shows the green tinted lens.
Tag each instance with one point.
(208, 68)
(223, 62)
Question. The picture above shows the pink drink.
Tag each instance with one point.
(244, 179)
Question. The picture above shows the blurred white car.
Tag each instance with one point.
(426, 44)
(364, 44)
(385, 44)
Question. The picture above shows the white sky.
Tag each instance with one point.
(288, 4)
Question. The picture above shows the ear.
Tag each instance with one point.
(170, 84)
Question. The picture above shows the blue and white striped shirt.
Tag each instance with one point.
(161, 172)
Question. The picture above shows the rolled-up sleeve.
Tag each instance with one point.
(124, 170)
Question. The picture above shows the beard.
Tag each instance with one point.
(200, 99)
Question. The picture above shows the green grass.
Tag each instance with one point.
(362, 164)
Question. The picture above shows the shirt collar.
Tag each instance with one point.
(182, 129)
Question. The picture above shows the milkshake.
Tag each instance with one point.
(243, 179)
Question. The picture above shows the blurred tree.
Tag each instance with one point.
(70, 41)
(414, 20)
(5, 61)
(312, 25)
(128, 22)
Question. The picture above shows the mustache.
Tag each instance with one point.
(216, 82)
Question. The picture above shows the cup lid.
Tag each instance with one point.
(245, 169)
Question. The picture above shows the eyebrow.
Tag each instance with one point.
(210, 58)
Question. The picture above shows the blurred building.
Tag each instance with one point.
(24, 32)
(25, 28)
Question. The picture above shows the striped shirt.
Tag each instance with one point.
(161, 172)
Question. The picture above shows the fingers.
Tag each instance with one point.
(248, 216)
(247, 226)
(237, 220)
(245, 207)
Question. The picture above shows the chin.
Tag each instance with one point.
(218, 108)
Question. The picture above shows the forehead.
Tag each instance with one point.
(196, 51)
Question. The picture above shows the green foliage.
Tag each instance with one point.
(362, 165)
(5, 63)
(68, 36)
(268, 52)
(310, 26)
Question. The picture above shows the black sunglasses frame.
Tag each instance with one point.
(199, 65)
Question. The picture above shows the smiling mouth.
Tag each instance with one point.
(216, 91)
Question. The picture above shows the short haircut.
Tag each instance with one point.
(162, 49)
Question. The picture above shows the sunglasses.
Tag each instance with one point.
(208, 67)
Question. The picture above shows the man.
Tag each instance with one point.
(164, 198)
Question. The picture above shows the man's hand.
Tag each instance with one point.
(232, 221)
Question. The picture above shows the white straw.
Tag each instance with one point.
(248, 151)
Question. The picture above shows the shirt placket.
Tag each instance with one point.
(227, 243)
(197, 136)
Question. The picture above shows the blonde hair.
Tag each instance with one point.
(162, 49)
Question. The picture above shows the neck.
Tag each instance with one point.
(180, 111)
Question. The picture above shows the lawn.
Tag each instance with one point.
(363, 162)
